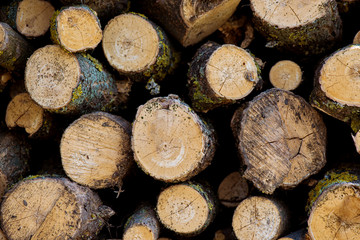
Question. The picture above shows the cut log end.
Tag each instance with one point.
(139, 232)
(286, 75)
(33, 17)
(51, 75)
(356, 39)
(130, 44)
(233, 189)
(23, 112)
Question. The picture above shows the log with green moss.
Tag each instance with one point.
(76, 28)
(138, 48)
(301, 27)
(68, 83)
(336, 86)
(220, 75)
(187, 20)
(186, 208)
(142, 224)
(14, 49)
(334, 206)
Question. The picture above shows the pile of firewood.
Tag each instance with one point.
(181, 119)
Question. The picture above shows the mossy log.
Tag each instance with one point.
(142, 224)
(52, 208)
(220, 75)
(95, 150)
(31, 18)
(186, 208)
(170, 141)
(232, 190)
(334, 206)
(138, 48)
(14, 49)
(298, 235)
(68, 83)
(260, 218)
(190, 21)
(301, 27)
(281, 139)
(286, 75)
(336, 86)
(76, 28)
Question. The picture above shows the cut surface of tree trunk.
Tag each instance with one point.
(233, 189)
(52, 208)
(259, 218)
(69, 83)
(186, 208)
(190, 21)
(95, 150)
(219, 75)
(356, 39)
(76, 28)
(33, 17)
(170, 142)
(303, 27)
(286, 75)
(143, 224)
(281, 138)
(298, 235)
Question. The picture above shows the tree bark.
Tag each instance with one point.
(232, 190)
(305, 28)
(187, 20)
(52, 208)
(68, 83)
(186, 208)
(281, 139)
(95, 150)
(220, 75)
(170, 142)
(286, 75)
(298, 235)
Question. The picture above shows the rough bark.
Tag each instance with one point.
(190, 21)
(302, 27)
(183, 145)
(232, 190)
(281, 139)
(52, 208)
(298, 235)
(220, 75)
(186, 208)
(67, 83)
(286, 75)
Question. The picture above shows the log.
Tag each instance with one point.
(138, 48)
(52, 208)
(298, 235)
(301, 27)
(232, 190)
(95, 150)
(186, 208)
(183, 145)
(334, 207)
(356, 39)
(335, 86)
(286, 75)
(260, 218)
(142, 224)
(23, 112)
(187, 20)
(67, 83)
(2, 235)
(220, 75)
(5, 78)
(14, 49)
(281, 139)
(76, 28)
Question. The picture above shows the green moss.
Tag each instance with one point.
(77, 93)
(53, 26)
(97, 64)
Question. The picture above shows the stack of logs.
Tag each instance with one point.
(182, 119)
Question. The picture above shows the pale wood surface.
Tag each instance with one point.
(286, 75)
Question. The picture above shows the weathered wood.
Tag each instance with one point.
(95, 150)
(260, 218)
(302, 27)
(67, 83)
(286, 75)
(356, 39)
(187, 20)
(186, 208)
(281, 138)
(220, 75)
(142, 224)
(170, 142)
(52, 208)
(298, 235)
(232, 190)
(76, 28)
